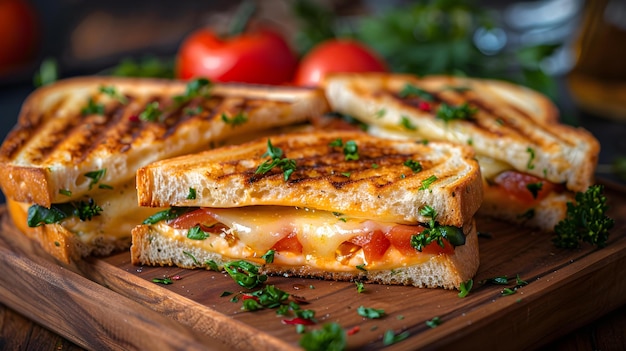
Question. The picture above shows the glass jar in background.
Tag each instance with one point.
(598, 80)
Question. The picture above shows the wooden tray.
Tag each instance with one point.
(107, 303)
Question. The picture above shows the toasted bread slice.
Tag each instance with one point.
(58, 155)
(510, 128)
(57, 139)
(448, 178)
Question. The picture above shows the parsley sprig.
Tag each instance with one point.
(585, 221)
(436, 233)
(449, 113)
(245, 273)
(287, 165)
(84, 210)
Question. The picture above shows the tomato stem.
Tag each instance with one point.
(242, 16)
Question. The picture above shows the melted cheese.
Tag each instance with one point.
(254, 230)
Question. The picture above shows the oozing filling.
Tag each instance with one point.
(296, 236)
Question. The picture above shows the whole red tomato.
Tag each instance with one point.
(261, 57)
(337, 55)
(18, 33)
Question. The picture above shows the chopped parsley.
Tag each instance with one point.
(196, 233)
(390, 337)
(331, 337)
(465, 288)
(370, 313)
(434, 323)
(415, 166)
(92, 108)
(84, 210)
(531, 153)
(427, 182)
(269, 256)
(360, 287)
(164, 281)
(361, 267)
(238, 119)
(212, 265)
(287, 165)
(193, 111)
(375, 165)
(65, 192)
(409, 90)
(381, 113)
(449, 113)
(193, 258)
(407, 124)
(351, 150)
(151, 112)
(195, 88)
(95, 176)
(192, 194)
(112, 92)
(508, 291)
(585, 221)
(245, 273)
(346, 174)
(336, 143)
(436, 233)
(169, 214)
(534, 188)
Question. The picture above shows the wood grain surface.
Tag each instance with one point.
(109, 303)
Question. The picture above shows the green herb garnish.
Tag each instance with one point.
(371, 313)
(151, 113)
(351, 150)
(409, 90)
(415, 166)
(531, 153)
(449, 113)
(336, 143)
(164, 281)
(236, 120)
(196, 233)
(360, 287)
(465, 288)
(95, 176)
(169, 214)
(195, 88)
(390, 337)
(534, 188)
(585, 221)
(407, 124)
(112, 92)
(245, 273)
(331, 337)
(433, 323)
(436, 233)
(65, 192)
(92, 108)
(192, 194)
(427, 182)
(287, 165)
(269, 256)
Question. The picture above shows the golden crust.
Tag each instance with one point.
(510, 120)
(54, 143)
(323, 179)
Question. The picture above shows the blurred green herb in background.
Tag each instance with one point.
(149, 66)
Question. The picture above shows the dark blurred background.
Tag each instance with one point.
(568, 49)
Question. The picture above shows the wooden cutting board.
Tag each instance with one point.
(108, 303)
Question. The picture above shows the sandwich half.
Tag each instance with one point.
(337, 205)
(68, 167)
(531, 165)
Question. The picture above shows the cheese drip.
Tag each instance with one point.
(257, 228)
